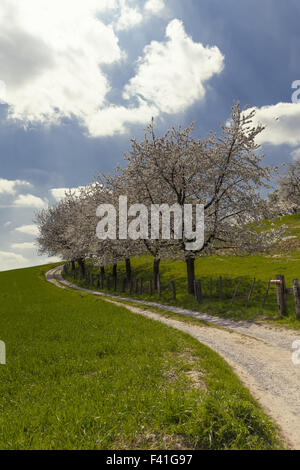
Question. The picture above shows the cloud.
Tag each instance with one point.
(28, 229)
(171, 75)
(296, 154)
(129, 17)
(29, 200)
(50, 57)
(114, 119)
(59, 193)
(10, 186)
(8, 223)
(10, 260)
(154, 6)
(282, 122)
(23, 246)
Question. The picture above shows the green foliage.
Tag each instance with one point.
(232, 269)
(85, 374)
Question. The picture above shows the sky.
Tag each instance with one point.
(80, 78)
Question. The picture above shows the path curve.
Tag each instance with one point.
(259, 354)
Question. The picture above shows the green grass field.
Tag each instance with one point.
(284, 259)
(85, 374)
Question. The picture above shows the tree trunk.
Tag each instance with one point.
(73, 265)
(114, 271)
(81, 263)
(155, 272)
(190, 267)
(128, 269)
(102, 271)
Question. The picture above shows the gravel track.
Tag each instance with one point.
(261, 355)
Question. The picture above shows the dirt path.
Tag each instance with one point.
(260, 355)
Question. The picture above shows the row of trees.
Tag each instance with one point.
(223, 172)
(286, 198)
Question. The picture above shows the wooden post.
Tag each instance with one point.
(195, 291)
(235, 292)
(296, 291)
(198, 291)
(101, 280)
(130, 286)
(108, 283)
(221, 289)
(173, 290)
(136, 286)
(124, 284)
(250, 293)
(158, 286)
(210, 287)
(115, 283)
(150, 288)
(141, 286)
(266, 295)
(98, 282)
(281, 295)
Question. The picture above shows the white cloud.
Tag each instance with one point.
(29, 200)
(23, 246)
(171, 75)
(11, 260)
(154, 6)
(10, 186)
(59, 193)
(28, 229)
(114, 119)
(8, 223)
(282, 122)
(50, 53)
(296, 154)
(130, 17)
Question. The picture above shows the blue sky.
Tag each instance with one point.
(79, 79)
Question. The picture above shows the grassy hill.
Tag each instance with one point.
(85, 374)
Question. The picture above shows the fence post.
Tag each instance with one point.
(130, 286)
(221, 289)
(235, 292)
(173, 290)
(210, 287)
(198, 291)
(158, 286)
(266, 295)
(108, 283)
(281, 295)
(150, 288)
(195, 291)
(141, 286)
(296, 290)
(250, 293)
(124, 284)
